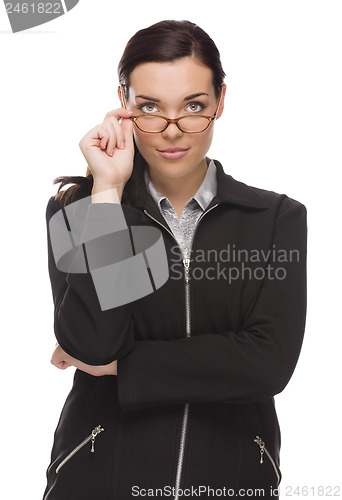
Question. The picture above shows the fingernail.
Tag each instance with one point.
(122, 145)
(111, 152)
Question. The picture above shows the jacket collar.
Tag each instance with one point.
(237, 193)
(229, 191)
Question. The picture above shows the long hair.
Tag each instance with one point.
(165, 41)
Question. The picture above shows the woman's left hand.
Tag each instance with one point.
(62, 360)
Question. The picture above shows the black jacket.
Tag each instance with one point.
(199, 363)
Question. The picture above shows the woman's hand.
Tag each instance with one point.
(62, 360)
(109, 149)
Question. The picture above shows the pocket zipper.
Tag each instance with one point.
(263, 450)
(91, 438)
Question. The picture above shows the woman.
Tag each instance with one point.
(194, 363)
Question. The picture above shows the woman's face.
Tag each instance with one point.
(182, 87)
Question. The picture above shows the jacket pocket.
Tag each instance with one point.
(264, 450)
(91, 438)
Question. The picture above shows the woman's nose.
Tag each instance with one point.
(172, 132)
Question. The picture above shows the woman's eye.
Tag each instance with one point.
(195, 106)
(148, 108)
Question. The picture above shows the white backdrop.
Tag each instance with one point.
(281, 130)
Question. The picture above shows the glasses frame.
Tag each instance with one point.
(172, 120)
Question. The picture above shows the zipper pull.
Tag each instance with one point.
(262, 447)
(94, 433)
(186, 263)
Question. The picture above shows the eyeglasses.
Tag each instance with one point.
(155, 124)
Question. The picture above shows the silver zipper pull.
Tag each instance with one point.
(186, 263)
(262, 447)
(94, 433)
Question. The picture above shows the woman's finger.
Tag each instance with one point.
(127, 129)
(109, 125)
(119, 113)
(102, 134)
(119, 133)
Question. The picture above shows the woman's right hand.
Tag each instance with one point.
(62, 360)
(109, 149)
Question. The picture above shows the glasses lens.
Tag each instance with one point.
(151, 123)
(193, 123)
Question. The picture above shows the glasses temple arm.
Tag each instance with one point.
(219, 101)
(122, 92)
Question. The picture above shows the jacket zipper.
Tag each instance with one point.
(91, 438)
(186, 263)
(263, 450)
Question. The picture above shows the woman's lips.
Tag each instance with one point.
(173, 153)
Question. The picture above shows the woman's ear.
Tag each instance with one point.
(221, 106)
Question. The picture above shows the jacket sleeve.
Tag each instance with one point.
(83, 330)
(250, 365)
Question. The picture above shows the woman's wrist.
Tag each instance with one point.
(106, 193)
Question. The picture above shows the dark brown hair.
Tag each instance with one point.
(165, 41)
